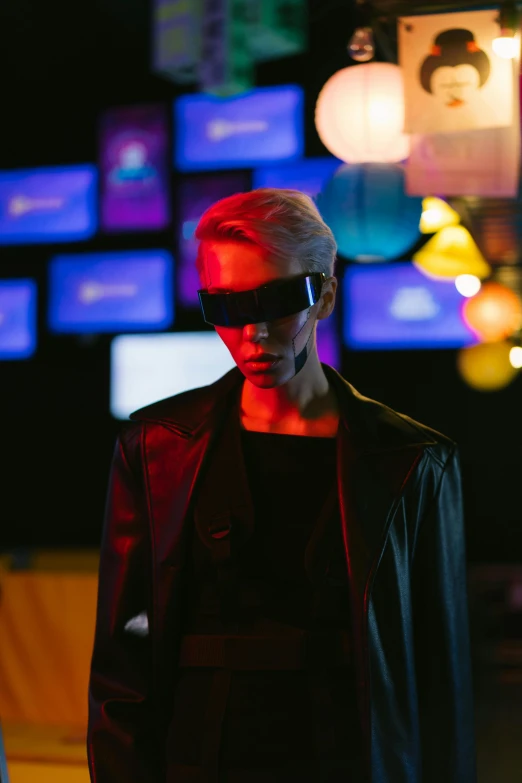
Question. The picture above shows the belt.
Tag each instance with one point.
(243, 653)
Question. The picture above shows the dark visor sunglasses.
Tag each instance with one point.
(267, 303)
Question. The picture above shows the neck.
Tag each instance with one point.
(307, 396)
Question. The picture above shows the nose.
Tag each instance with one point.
(255, 332)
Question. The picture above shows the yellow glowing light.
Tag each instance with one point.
(515, 357)
(487, 366)
(506, 45)
(449, 253)
(436, 214)
(467, 285)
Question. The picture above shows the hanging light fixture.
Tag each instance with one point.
(436, 214)
(507, 44)
(486, 366)
(449, 253)
(359, 114)
(361, 46)
(494, 313)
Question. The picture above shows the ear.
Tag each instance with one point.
(327, 299)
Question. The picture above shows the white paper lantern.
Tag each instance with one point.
(359, 114)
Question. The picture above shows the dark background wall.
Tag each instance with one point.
(61, 64)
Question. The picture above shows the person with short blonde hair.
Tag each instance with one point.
(282, 589)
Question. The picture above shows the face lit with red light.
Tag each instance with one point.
(264, 352)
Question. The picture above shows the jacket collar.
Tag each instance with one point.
(373, 427)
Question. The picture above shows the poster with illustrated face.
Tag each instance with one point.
(134, 163)
(483, 162)
(453, 81)
(196, 194)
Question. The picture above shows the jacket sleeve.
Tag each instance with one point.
(121, 743)
(441, 628)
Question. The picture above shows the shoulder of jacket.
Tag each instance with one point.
(186, 411)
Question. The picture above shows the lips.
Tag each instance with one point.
(263, 357)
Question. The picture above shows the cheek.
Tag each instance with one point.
(230, 337)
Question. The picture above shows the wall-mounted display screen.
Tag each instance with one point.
(111, 292)
(389, 306)
(328, 342)
(308, 175)
(18, 325)
(196, 194)
(150, 367)
(57, 204)
(265, 125)
(134, 168)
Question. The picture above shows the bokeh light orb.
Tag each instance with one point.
(467, 285)
(371, 215)
(494, 313)
(515, 357)
(487, 366)
(359, 114)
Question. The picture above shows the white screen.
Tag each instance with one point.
(149, 367)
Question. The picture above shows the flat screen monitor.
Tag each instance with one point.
(328, 342)
(147, 368)
(111, 292)
(308, 175)
(196, 194)
(46, 205)
(394, 306)
(134, 168)
(18, 324)
(265, 125)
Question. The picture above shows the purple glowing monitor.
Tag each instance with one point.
(134, 168)
(17, 319)
(149, 367)
(328, 342)
(394, 306)
(265, 125)
(196, 194)
(57, 204)
(111, 292)
(308, 175)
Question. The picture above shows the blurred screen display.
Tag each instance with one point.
(328, 342)
(147, 368)
(308, 175)
(134, 168)
(56, 204)
(261, 126)
(17, 319)
(197, 194)
(111, 292)
(396, 306)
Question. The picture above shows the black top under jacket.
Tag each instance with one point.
(291, 578)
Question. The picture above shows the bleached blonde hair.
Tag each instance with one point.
(286, 223)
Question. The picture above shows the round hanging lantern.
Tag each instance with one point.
(369, 212)
(359, 114)
(451, 252)
(486, 367)
(494, 313)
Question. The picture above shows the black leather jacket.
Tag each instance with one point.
(400, 503)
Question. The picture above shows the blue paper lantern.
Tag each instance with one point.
(369, 211)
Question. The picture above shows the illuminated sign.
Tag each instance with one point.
(17, 319)
(150, 367)
(111, 292)
(134, 169)
(396, 306)
(308, 175)
(56, 204)
(261, 126)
